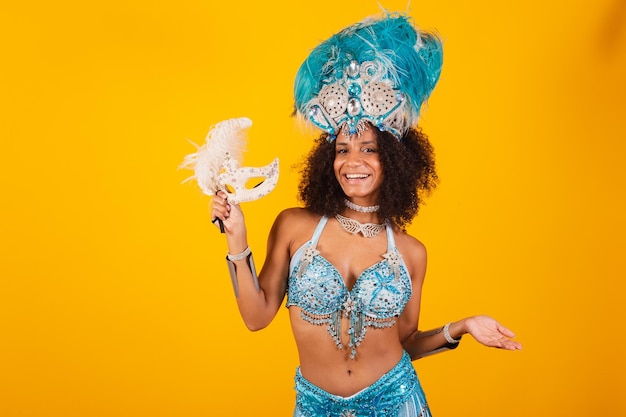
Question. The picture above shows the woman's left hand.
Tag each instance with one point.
(489, 332)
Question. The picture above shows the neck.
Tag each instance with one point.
(359, 208)
(362, 217)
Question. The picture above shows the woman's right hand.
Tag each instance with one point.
(230, 214)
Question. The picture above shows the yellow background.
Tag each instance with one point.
(114, 296)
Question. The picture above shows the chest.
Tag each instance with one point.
(350, 256)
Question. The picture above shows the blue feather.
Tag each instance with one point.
(411, 60)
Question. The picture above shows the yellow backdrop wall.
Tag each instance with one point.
(114, 297)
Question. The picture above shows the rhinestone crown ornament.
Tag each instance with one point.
(361, 95)
(379, 71)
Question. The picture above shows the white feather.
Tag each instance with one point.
(225, 138)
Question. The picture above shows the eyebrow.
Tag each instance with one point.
(345, 142)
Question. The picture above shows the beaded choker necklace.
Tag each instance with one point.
(361, 209)
(355, 227)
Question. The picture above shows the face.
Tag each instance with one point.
(357, 166)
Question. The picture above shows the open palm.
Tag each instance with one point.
(489, 332)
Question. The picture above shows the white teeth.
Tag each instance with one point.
(356, 176)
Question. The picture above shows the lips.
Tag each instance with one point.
(356, 176)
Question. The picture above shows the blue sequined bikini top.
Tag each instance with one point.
(376, 299)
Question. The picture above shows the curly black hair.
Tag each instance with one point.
(409, 176)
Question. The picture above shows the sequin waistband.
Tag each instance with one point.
(383, 398)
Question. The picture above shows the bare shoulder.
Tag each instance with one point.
(295, 216)
(413, 252)
(295, 225)
(409, 244)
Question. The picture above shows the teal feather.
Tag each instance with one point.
(411, 60)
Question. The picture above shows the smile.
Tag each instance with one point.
(356, 176)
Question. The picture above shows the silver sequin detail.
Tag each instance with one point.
(394, 260)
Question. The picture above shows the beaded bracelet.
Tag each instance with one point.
(446, 334)
(239, 256)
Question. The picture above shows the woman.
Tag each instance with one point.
(351, 274)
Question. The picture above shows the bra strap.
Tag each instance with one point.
(318, 231)
(391, 243)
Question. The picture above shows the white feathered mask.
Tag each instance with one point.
(216, 164)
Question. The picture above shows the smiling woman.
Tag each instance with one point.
(357, 167)
(114, 300)
(408, 174)
(354, 292)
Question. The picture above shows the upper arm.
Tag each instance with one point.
(414, 255)
(275, 271)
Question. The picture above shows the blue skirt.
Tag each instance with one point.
(398, 393)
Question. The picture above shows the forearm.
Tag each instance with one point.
(251, 300)
(425, 343)
(252, 297)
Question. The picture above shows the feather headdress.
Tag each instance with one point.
(380, 70)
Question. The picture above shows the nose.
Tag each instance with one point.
(354, 158)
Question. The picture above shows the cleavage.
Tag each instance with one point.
(342, 264)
